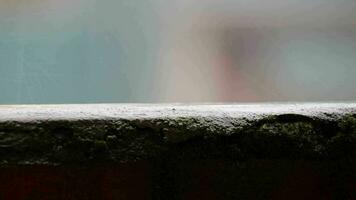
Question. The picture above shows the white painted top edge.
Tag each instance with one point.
(166, 111)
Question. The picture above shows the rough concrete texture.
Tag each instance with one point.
(244, 151)
(57, 134)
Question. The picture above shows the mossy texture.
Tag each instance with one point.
(286, 136)
(228, 154)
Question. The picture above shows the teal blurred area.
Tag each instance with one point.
(143, 51)
(77, 51)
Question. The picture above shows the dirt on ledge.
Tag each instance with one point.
(104, 133)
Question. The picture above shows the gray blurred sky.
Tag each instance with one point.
(88, 51)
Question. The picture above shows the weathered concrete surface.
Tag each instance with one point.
(249, 151)
(55, 134)
(169, 111)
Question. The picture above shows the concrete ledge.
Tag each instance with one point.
(56, 134)
(183, 151)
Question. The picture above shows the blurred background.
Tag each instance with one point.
(153, 51)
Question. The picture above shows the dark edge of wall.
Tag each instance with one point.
(171, 143)
(99, 141)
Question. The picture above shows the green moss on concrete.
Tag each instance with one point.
(281, 136)
(241, 156)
